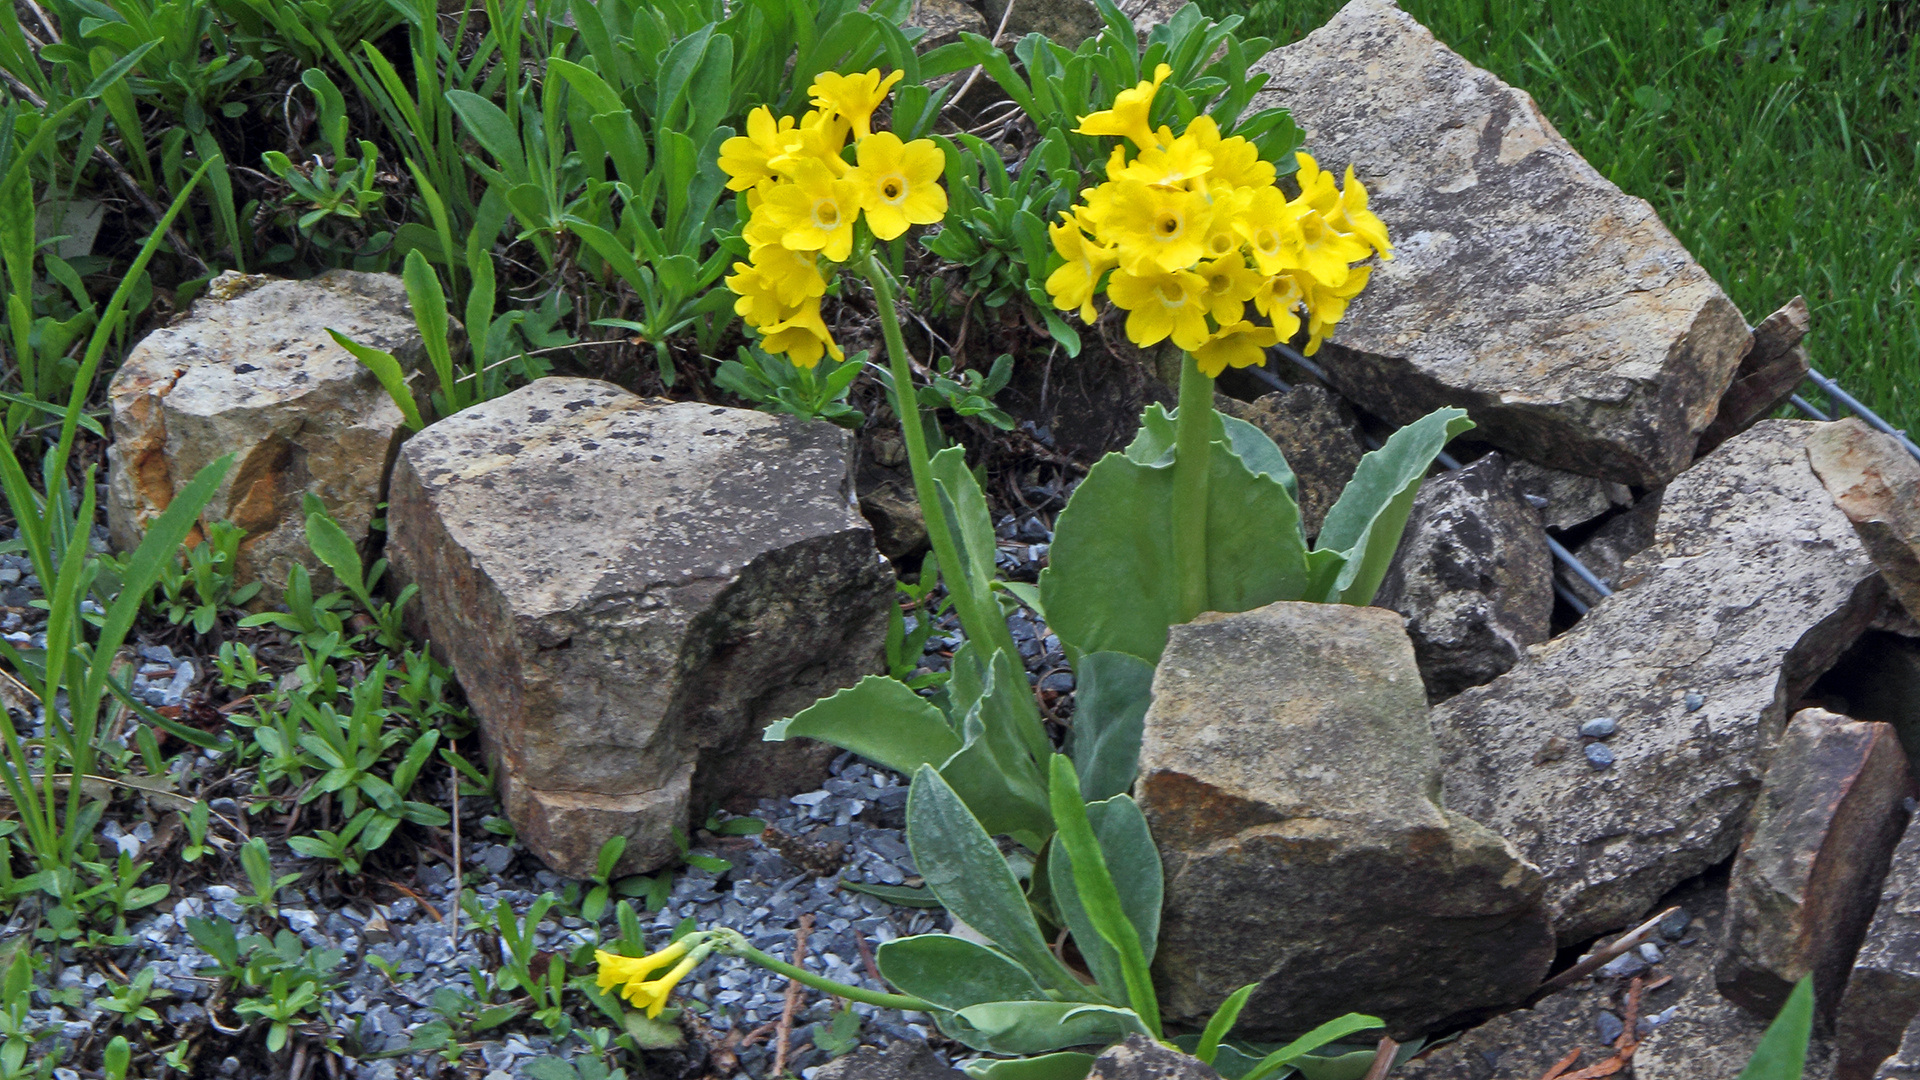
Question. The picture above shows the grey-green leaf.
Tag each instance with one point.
(1066, 1065)
(953, 973)
(879, 719)
(1111, 694)
(1364, 526)
(1782, 1053)
(1134, 863)
(335, 548)
(963, 867)
(1038, 1027)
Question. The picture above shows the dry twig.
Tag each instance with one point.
(1382, 1059)
(978, 68)
(785, 1030)
(1600, 957)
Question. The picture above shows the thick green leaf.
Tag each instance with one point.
(1329, 1032)
(971, 524)
(1111, 694)
(393, 379)
(1222, 1022)
(964, 868)
(995, 771)
(493, 130)
(879, 719)
(1782, 1053)
(1153, 444)
(1039, 1027)
(1132, 863)
(1066, 1065)
(900, 895)
(953, 973)
(1111, 586)
(1364, 526)
(335, 548)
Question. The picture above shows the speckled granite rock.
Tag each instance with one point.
(1755, 584)
(1527, 288)
(1816, 850)
(1883, 993)
(1140, 1058)
(1766, 378)
(251, 371)
(1291, 783)
(944, 21)
(1877, 483)
(1473, 577)
(1566, 500)
(629, 591)
(1320, 437)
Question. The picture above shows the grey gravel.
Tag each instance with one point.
(1599, 755)
(1608, 1026)
(1600, 727)
(1624, 966)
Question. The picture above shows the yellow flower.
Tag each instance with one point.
(1228, 207)
(774, 284)
(1072, 285)
(1128, 117)
(1272, 231)
(899, 182)
(1240, 344)
(1279, 300)
(853, 97)
(1316, 185)
(1156, 228)
(1324, 251)
(1352, 216)
(652, 995)
(1179, 164)
(744, 157)
(817, 140)
(618, 970)
(815, 212)
(1162, 305)
(803, 336)
(1230, 284)
(1236, 162)
(1326, 306)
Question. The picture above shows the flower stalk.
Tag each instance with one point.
(1192, 461)
(732, 943)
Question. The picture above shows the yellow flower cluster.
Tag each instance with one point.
(804, 199)
(1195, 229)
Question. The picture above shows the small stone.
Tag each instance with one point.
(1674, 926)
(1651, 953)
(1599, 756)
(1608, 1026)
(1695, 699)
(1600, 727)
(1624, 966)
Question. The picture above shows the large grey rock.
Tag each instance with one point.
(1816, 850)
(1877, 483)
(1320, 437)
(1772, 369)
(1618, 539)
(1755, 584)
(1883, 993)
(251, 372)
(629, 590)
(944, 21)
(1473, 577)
(1526, 288)
(1140, 1058)
(1068, 22)
(1567, 500)
(1522, 1043)
(1290, 780)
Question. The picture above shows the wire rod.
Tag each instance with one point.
(1834, 393)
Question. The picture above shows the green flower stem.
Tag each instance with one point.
(1193, 454)
(733, 944)
(979, 615)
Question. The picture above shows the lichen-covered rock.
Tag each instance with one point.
(904, 1060)
(1815, 852)
(1755, 584)
(1320, 437)
(1526, 288)
(629, 591)
(1473, 577)
(251, 372)
(1290, 780)
(1882, 998)
(1877, 484)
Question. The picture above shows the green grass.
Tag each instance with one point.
(1778, 139)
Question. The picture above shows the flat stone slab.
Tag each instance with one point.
(1877, 483)
(629, 591)
(1816, 850)
(1526, 287)
(252, 372)
(1289, 777)
(1755, 584)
